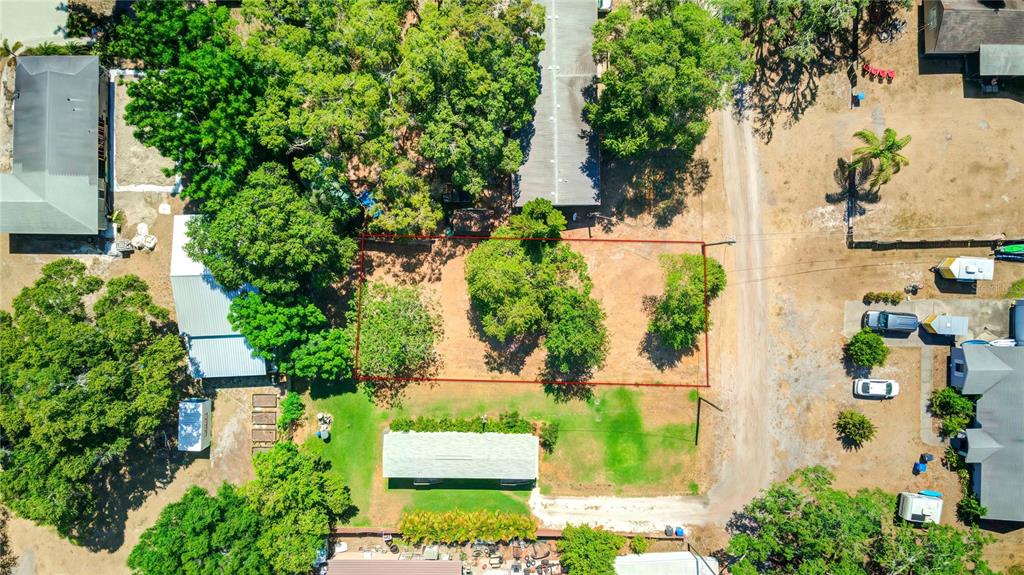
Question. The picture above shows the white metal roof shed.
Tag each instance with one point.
(454, 455)
(676, 563)
(201, 305)
(194, 424)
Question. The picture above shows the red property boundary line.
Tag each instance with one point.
(392, 237)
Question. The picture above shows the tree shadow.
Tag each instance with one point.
(854, 188)
(503, 356)
(144, 470)
(852, 369)
(657, 186)
(564, 392)
(848, 443)
(660, 355)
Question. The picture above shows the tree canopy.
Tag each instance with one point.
(79, 389)
(202, 535)
(298, 502)
(589, 551)
(533, 288)
(161, 32)
(666, 69)
(803, 525)
(270, 237)
(679, 315)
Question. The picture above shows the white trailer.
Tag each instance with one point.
(920, 508)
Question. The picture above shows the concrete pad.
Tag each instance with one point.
(986, 319)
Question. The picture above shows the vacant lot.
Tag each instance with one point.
(623, 441)
(136, 167)
(626, 276)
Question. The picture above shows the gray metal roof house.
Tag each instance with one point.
(215, 349)
(995, 443)
(964, 26)
(58, 182)
(562, 158)
(443, 455)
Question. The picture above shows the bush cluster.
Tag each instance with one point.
(867, 349)
(639, 544)
(461, 526)
(549, 436)
(854, 427)
(292, 410)
(969, 509)
(507, 422)
(889, 297)
(679, 315)
(955, 410)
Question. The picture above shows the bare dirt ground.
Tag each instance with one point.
(134, 164)
(625, 276)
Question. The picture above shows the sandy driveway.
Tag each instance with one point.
(747, 396)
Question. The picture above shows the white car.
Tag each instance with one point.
(875, 388)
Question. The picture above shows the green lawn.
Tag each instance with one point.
(603, 442)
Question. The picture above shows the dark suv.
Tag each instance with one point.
(890, 321)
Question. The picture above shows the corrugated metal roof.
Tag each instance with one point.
(1000, 476)
(392, 567)
(53, 184)
(201, 304)
(227, 356)
(1001, 60)
(967, 24)
(563, 161)
(452, 455)
(677, 563)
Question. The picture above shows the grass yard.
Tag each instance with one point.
(605, 447)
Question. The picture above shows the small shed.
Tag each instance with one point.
(195, 422)
(966, 269)
(945, 324)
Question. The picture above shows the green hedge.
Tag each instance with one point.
(461, 526)
(507, 422)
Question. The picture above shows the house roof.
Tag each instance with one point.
(998, 445)
(985, 368)
(562, 159)
(1001, 59)
(201, 306)
(967, 24)
(393, 567)
(677, 563)
(453, 455)
(53, 187)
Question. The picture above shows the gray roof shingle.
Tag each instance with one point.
(967, 24)
(453, 455)
(53, 187)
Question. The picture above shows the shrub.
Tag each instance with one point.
(854, 427)
(694, 488)
(461, 526)
(639, 544)
(507, 422)
(889, 297)
(867, 349)
(549, 436)
(292, 410)
(398, 328)
(588, 551)
(955, 410)
(679, 315)
(969, 510)
(1016, 290)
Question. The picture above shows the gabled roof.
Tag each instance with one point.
(53, 187)
(984, 369)
(562, 160)
(997, 445)
(967, 24)
(453, 455)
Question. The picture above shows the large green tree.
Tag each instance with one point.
(538, 287)
(467, 82)
(271, 237)
(157, 33)
(299, 501)
(679, 315)
(275, 329)
(588, 551)
(202, 535)
(666, 69)
(194, 104)
(803, 526)
(78, 389)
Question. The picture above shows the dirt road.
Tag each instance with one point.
(749, 404)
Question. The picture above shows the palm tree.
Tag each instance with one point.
(885, 149)
(9, 52)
